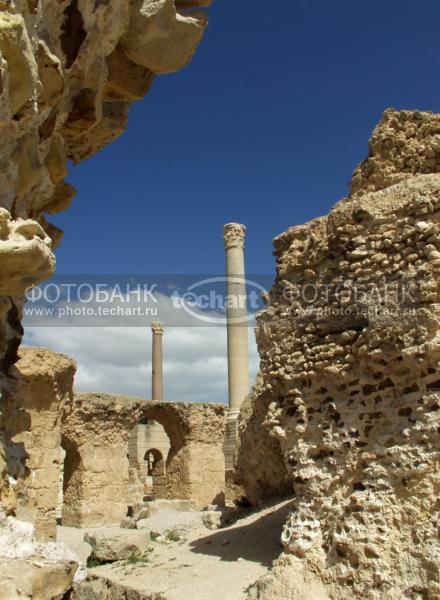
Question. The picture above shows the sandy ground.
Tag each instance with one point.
(208, 565)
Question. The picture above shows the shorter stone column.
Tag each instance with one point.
(157, 360)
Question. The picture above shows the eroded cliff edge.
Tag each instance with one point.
(346, 409)
(68, 73)
(69, 70)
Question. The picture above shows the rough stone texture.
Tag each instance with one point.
(99, 588)
(33, 570)
(346, 409)
(289, 579)
(96, 466)
(40, 579)
(119, 546)
(404, 144)
(33, 422)
(68, 72)
(148, 447)
(25, 254)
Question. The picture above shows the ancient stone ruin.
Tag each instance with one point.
(69, 71)
(96, 474)
(345, 412)
(83, 439)
(34, 421)
(343, 421)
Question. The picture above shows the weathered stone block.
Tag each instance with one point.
(34, 422)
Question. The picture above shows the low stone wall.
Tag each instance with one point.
(34, 421)
(44, 420)
(96, 433)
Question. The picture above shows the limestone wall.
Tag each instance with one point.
(147, 442)
(144, 437)
(34, 424)
(95, 439)
(85, 438)
(195, 466)
(96, 470)
(403, 145)
(69, 70)
(346, 409)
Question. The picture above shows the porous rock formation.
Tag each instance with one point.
(68, 72)
(346, 409)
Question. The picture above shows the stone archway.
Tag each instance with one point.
(145, 435)
(195, 467)
(155, 465)
(98, 428)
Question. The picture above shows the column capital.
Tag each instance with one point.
(233, 235)
(157, 328)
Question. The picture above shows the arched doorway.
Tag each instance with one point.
(148, 449)
(155, 481)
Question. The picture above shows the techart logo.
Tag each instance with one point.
(207, 301)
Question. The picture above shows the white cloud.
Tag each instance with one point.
(118, 359)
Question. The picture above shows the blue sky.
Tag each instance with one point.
(264, 127)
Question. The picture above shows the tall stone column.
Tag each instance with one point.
(157, 358)
(237, 330)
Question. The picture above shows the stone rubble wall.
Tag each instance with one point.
(34, 422)
(403, 145)
(346, 409)
(95, 439)
(96, 471)
(69, 70)
(51, 431)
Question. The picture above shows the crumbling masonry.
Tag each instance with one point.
(69, 71)
(346, 409)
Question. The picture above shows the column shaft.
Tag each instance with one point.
(238, 359)
(237, 331)
(157, 360)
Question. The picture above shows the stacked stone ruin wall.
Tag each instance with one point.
(348, 395)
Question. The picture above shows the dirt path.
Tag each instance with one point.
(209, 565)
